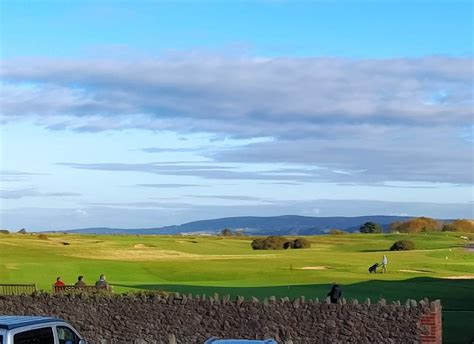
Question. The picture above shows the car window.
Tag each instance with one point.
(38, 336)
(66, 335)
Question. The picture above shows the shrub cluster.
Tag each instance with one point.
(403, 245)
(279, 243)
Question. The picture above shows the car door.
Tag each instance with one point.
(41, 335)
(66, 335)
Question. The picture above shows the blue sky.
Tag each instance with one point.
(149, 113)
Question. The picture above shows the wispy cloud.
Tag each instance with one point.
(208, 171)
(33, 192)
(168, 150)
(14, 176)
(170, 186)
(141, 205)
(227, 197)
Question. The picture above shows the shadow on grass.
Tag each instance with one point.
(375, 250)
(454, 294)
(416, 249)
(456, 297)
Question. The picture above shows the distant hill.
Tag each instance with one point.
(274, 225)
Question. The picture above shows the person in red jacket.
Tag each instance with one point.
(59, 283)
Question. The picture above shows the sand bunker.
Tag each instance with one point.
(312, 268)
(460, 277)
(414, 271)
(144, 246)
(11, 266)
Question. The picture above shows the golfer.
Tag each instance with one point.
(384, 264)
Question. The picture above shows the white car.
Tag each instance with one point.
(37, 330)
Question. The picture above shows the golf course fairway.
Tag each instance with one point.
(440, 267)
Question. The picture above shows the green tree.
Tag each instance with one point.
(371, 227)
(226, 232)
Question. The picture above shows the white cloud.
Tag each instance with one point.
(81, 213)
(378, 120)
(247, 97)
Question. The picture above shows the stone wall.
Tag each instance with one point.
(151, 318)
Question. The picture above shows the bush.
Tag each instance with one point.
(335, 231)
(371, 227)
(4, 231)
(258, 244)
(274, 243)
(301, 243)
(279, 243)
(42, 237)
(403, 245)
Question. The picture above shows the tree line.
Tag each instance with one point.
(421, 224)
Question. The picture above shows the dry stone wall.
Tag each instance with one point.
(152, 318)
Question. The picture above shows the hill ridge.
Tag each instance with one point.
(256, 225)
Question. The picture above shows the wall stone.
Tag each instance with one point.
(183, 319)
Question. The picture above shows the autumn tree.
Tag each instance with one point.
(416, 225)
(460, 225)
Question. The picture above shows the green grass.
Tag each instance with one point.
(206, 265)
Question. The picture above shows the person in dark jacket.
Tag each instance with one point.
(335, 293)
(102, 283)
(80, 282)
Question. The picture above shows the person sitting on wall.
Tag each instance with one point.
(59, 282)
(102, 283)
(335, 293)
(80, 282)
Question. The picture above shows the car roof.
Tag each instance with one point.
(10, 322)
